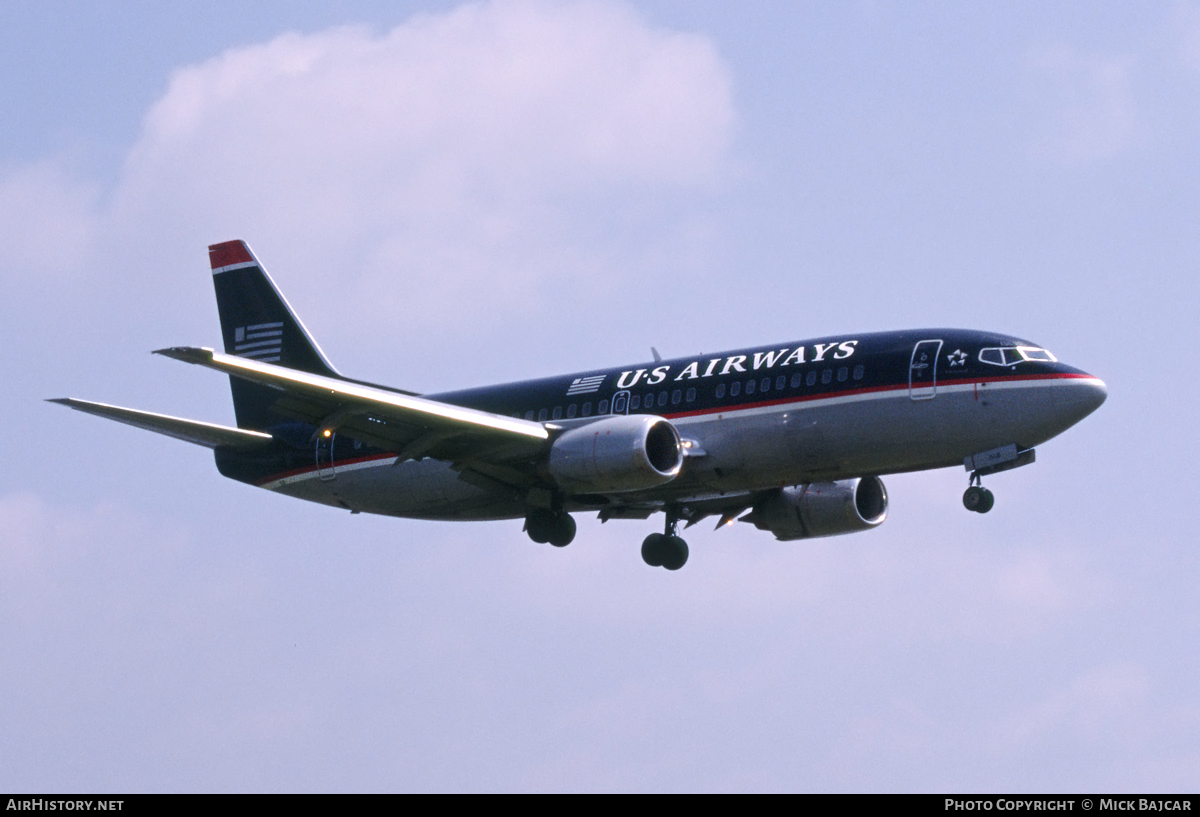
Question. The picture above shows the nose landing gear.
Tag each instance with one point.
(665, 549)
(977, 498)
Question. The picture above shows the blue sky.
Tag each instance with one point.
(454, 194)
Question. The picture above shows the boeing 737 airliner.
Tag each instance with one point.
(791, 437)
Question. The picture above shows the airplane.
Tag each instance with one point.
(792, 438)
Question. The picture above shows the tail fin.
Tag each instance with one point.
(257, 323)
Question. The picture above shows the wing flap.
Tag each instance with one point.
(209, 435)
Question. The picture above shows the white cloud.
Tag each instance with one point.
(419, 173)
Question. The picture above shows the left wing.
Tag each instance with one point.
(411, 426)
(209, 435)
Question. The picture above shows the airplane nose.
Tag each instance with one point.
(1099, 393)
(1080, 397)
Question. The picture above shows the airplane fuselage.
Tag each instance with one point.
(752, 419)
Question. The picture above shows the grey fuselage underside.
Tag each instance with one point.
(746, 450)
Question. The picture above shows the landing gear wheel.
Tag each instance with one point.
(666, 549)
(978, 499)
(540, 525)
(563, 531)
(653, 550)
(988, 501)
(675, 553)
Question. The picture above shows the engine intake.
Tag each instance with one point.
(617, 454)
(821, 509)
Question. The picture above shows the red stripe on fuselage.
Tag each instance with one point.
(308, 469)
(733, 409)
(869, 390)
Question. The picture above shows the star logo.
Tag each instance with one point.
(957, 358)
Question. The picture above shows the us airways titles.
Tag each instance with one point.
(717, 366)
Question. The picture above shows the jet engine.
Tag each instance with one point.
(620, 453)
(821, 509)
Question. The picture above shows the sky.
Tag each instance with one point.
(454, 194)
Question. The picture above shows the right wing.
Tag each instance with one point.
(503, 448)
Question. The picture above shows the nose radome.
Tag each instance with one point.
(1082, 396)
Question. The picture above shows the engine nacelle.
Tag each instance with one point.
(821, 509)
(619, 453)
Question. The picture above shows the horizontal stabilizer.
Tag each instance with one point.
(192, 431)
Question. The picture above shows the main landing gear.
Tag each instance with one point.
(555, 527)
(665, 549)
(977, 498)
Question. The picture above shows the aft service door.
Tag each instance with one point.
(922, 370)
(324, 453)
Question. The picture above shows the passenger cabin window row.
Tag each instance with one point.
(781, 382)
(674, 397)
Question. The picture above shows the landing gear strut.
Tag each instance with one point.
(555, 527)
(665, 549)
(977, 498)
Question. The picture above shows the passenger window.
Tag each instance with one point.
(858, 372)
(826, 377)
(587, 408)
(735, 388)
(635, 402)
(676, 397)
(690, 396)
(603, 407)
(796, 379)
(662, 398)
(843, 374)
(571, 411)
(720, 392)
(749, 387)
(529, 414)
(765, 385)
(557, 415)
(780, 382)
(811, 379)
(541, 415)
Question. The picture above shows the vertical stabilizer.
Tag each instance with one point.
(258, 323)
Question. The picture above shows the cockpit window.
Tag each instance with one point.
(1036, 354)
(1012, 355)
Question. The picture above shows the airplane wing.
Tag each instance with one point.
(192, 431)
(411, 426)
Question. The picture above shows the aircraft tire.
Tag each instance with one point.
(540, 525)
(563, 532)
(975, 499)
(676, 553)
(989, 500)
(653, 549)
